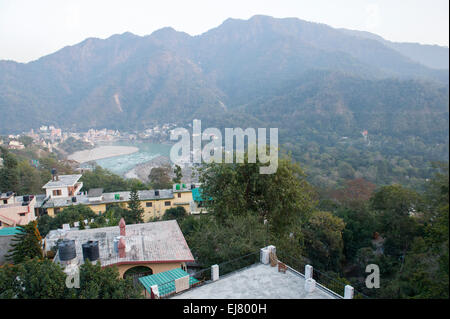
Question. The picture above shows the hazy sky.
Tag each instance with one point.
(30, 29)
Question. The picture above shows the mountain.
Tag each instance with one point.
(129, 82)
(432, 56)
(320, 86)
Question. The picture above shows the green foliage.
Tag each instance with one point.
(213, 241)
(159, 178)
(26, 244)
(68, 215)
(98, 283)
(72, 145)
(178, 174)
(33, 279)
(177, 213)
(43, 279)
(323, 240)
(284, 198)
(102, 178)
(134, 206)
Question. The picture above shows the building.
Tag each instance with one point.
(6, 235)
(261, 275)
(157, 246)
(16, 145)
(16, 210)
(63, 186)
(154, 202)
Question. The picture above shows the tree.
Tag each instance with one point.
(323, 240)
(159, 178)
(40, 279)
(9, 175)
(177, 213)
(284, 198)
(26, 244)
(396, 208)
(134, 206)
(178, 174)
(69, 215)
(355, 193)
(214, 242)
(104, 283)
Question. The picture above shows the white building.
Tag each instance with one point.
(63, 186)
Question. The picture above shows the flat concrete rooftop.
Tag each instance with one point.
(256, 282)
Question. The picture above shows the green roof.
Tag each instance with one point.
(197, 195)
(9, 231)
(165, 281)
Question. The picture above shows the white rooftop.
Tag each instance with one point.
(257, 282)
(63, 181)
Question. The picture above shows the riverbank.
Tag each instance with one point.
(101, 152)
(141, 171)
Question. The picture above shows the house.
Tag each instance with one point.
(259, 275)
(62, 186)
(156, 246)
(16, 210)
(16, 145)
(154, 202)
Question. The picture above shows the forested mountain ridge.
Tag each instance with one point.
(131, 81)
(320, 86)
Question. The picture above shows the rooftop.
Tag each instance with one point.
(108, 198)
(154, 242)
(258, 281)
(63, 181)
(9, 231)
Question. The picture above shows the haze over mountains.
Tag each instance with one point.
(315, 83)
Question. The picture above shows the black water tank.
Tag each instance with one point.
(156, 193)
(192, 186)
(66, 250)
(53, 171)
(74, 199)
(26, 198)
(90, 250)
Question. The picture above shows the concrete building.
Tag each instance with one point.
(265, 277)
(157, 246)
(62, 186)
(154, 202)
(16, 210)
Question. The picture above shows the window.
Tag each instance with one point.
(21, 214)
(179, 195)
(0, 223)
(148, 204)
(57, 192)
(167, 203)
(5, 201)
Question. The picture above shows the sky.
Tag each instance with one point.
(30, 29)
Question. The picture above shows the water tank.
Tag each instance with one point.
(90, 250)
(156, 193)
(66, 250)
(53, 171)
(74, 199)
(192, 186)
(116, 244)
(26, 198)
(177, 187)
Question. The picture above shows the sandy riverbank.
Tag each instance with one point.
(101, 152)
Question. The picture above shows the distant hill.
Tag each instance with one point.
(320, 86)
(128, 81)
(432, 56)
